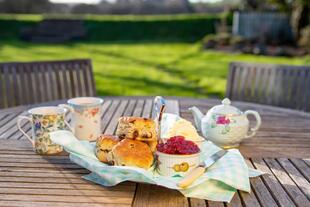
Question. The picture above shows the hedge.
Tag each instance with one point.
(124, 28)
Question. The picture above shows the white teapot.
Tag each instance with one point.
(225, 125)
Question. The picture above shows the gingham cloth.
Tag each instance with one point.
(219, 183)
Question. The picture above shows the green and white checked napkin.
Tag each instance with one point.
(219, 183)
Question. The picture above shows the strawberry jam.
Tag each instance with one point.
(178, 145)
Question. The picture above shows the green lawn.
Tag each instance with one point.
(174, 69)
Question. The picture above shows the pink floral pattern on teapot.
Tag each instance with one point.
(222, 120)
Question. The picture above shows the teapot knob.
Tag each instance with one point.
(226, 101)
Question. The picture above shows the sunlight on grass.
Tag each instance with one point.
(175, 69)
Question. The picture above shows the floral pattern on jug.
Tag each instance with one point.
(222, 120)
(86, 117)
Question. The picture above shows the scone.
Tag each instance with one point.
(138, 128)
(129, 152)
(104, 146)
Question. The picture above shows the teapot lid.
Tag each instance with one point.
(225, 108)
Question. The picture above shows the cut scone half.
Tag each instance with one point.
(134, 153)
(104, 146)
(138, 128)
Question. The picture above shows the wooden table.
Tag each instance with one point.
(281, 148)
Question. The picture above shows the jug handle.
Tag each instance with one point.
(258, 123)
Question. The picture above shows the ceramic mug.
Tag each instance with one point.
(43, 121)
(86, 117)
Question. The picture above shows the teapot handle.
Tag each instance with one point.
(258, 123)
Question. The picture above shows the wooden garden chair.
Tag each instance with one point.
(278, 85)
(34, 82)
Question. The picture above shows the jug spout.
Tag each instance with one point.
(197, 114)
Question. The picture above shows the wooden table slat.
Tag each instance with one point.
(130, 108)
(261, 191)
(296, 176)
(195, 202)
(138, 109)
(290, 187)
(105, 106)
(57, 204)
(65, 186)
(67, 192)
(235, 202)
(307, 161)
(72, 199)
(108, 115)
(9, 122)
(151, 195)
(249, 199)
(12, 128)
(114, 121)
(147, 110)
(5, 118)
(215, 204)
(302, 167)
(272, 183)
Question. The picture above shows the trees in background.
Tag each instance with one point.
(110, 7)
(299, 11)
(137, 7)
(25, 6)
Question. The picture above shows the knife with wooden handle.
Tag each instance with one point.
(199, 171)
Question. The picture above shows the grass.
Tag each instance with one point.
(172, 69)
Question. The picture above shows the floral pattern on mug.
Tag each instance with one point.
(37, 125)
(43, 124)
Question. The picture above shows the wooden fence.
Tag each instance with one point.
(267, 26)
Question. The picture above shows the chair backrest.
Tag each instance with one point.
(34, 82)
(278, 85)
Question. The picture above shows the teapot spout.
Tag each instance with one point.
(197, 114)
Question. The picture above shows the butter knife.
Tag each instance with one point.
(197, 172)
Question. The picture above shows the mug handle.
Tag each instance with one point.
(70, 109)
(258, 122)
(19, 120)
